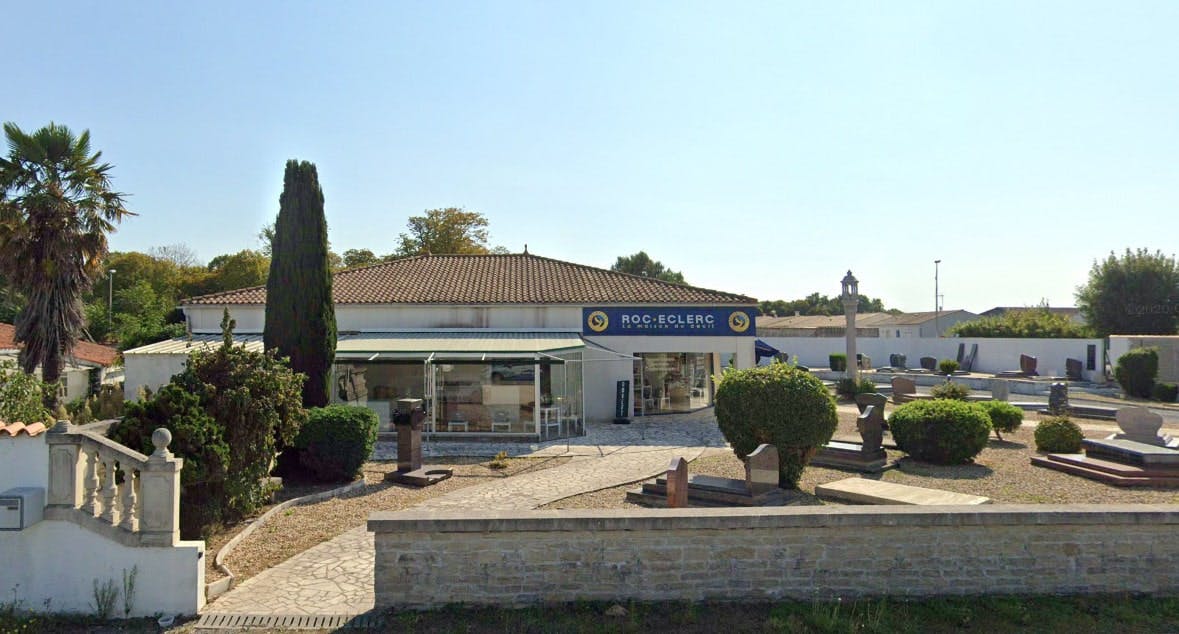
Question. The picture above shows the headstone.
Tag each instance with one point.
(677, 484)
(929, 363)
(761, 470)
(1027, 365)
(870, 424)
(961, 353)
(1000, 390)
(1058, 399)
(864, 401)
(967, 364)
(903, 389)
(1073, 369)
(1140, 424)
(408, 421)
(896, 360)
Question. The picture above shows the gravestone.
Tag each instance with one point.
(871, 425)
(967, 363)
(867, 456)
(929, 363)
(408, 419)
(897, 360)
(1027, 365)
(1058, 399)
(1073, 369)
(903, 389)
(677, 484)
(961, 353)
(1140, 425)
(761, 470)
(1000, 390)
(863, 401)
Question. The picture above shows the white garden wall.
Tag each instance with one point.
(994, 355)
(1168, 346)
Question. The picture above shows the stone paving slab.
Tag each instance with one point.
(336, 577)
(866, 491)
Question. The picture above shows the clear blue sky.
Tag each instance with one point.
(760, 148)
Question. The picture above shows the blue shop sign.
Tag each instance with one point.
(678, 320)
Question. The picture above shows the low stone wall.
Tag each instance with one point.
(426, 559)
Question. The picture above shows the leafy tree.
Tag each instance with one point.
(1032, 323)
(22, 396)
(816, 304)
(452, 230)
(243, 269)
(300, 315)
(178, 255)
(56, 208)
(363, 257)
(642, 265)
(1136, 294)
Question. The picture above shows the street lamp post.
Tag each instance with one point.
(850, 293)
(110, 298)
(937, 309)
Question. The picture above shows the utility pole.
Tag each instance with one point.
(937, 309)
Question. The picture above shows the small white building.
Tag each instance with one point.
(499, 345)
(85, 367)
(883, 325)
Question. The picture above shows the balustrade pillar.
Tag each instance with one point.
(65, 470)
(159, 493)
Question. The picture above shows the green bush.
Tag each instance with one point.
(336, 440)
(1005, 417)
(1165, 392)
(950, 390)
(941, 431)
(22, 396)
(947, 366)
(837, 362)
(1136, 371)
(848, 388)
(779, 405)
(1058, 434)
(197, 438)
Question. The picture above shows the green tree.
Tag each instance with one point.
(816, 304)
(1136, 294)
(1032, 323)
(363, 257)
(300, 315)
(56, 209)
(232, 271)
(452, 230)
(642, 265)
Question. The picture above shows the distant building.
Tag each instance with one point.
(83, 369)
(1073, 313)
(882, 325)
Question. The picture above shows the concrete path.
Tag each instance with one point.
(336, 577)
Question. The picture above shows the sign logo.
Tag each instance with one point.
(739, 321)
(598, 321)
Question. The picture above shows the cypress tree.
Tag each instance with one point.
(300, 316)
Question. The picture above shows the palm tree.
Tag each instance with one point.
(56, 208)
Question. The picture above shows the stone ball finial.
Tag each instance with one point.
(161, 438)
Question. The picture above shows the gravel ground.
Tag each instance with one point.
(300, 527)
(1002, 472)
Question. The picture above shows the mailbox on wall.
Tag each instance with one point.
(21, 507)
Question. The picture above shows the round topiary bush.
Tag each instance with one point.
(1005, 417)
(941, 431)
(779, 405)
(947, 366)
(950, 390)
(336, 440)
(1058, 434)
(1136, 371)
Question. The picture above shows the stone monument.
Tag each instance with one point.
(408, 420)
(1058, 399)
(677, 484)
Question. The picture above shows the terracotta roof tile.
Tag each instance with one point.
(83, 350)
(492, 279)
(15, 429)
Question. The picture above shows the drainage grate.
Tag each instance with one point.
(290, 622)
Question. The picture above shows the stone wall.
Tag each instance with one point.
(426, 559)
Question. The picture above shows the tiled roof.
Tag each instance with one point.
(83, 350)
(492, 279)
(863, 320)
(16, 429)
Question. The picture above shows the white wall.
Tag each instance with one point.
(59, 561)
(994, 355)
(149, 370)
(1168, 347)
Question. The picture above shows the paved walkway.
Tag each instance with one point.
(336, 577)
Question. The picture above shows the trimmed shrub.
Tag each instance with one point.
(837, 362)
(1005, 417)
(951, 390)
(1058, 434)
(336, 440)
(1136, 371)
(779, 405)
(22, 396)
(947, 366)
(849, 388)
(941, 431)
(1165, 392)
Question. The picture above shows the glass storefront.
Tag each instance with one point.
(667, 382)
(467, 396)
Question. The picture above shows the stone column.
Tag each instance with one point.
(849, 309)
(159, 500)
